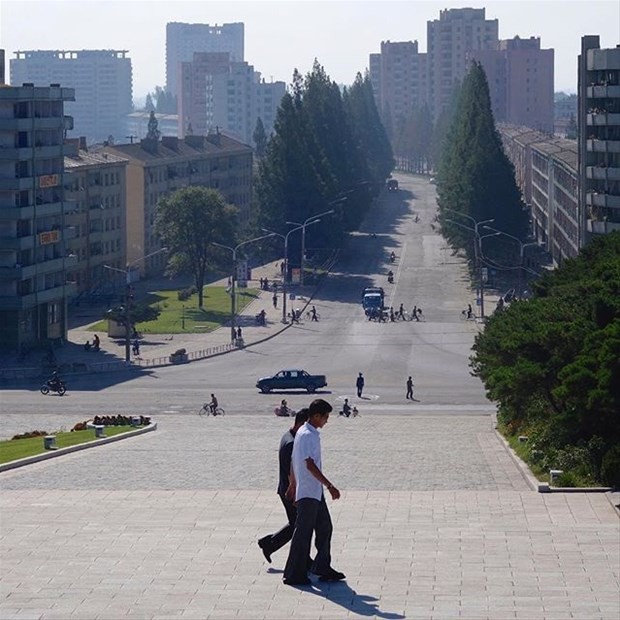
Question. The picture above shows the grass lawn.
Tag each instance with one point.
(185, 317)
(13, 449)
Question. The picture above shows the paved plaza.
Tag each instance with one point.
(170, 529)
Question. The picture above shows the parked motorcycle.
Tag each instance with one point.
(60, 387)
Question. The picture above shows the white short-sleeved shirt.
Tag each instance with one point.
(307, 444)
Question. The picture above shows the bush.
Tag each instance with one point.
(610, 467)
(186, 293)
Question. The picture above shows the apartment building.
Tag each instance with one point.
(520, 76)
(399, 76)
(95, 215)
(267, 98)
(34, 258)
(218, 93)
(555, 201)
(546, 173)
(599, 136)
(102, 80)
(157, 168)
(183, 40)
(450, 39)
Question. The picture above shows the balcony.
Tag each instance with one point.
(603, 119)
(602, 174)
(56, 293)
(601, 228)
(603, 92)
(610, 201)
(17, 184)
(603, 146)
(17, 243)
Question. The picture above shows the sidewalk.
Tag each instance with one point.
(155, 349)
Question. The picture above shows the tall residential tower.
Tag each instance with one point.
(182, 40)
(102, 80)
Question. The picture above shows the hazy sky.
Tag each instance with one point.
(287, 34)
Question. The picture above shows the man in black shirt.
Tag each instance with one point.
(272, 542)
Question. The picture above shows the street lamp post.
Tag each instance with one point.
(127, 309)
(285, 278)
(311, 220)
(477, 251)
(233, 309)
(522, 247)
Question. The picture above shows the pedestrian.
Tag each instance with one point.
(136, 347)
(239, 333)
(359, 384)
(409, 388)
(233, 334)
(306, 487)
(313, 313)
(272, 542)
(282, 268)
(275, 300)
(414, 313)
(96, 343)
(392, 318)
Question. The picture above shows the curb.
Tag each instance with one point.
(83, 446)
(545, 487)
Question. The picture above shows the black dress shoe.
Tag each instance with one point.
(297, 582)
(262, 543)
(332, 575)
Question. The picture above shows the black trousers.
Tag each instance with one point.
(273, 542)
(312, 515)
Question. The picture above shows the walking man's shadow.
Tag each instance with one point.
(360, 604)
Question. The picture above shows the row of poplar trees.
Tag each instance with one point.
(329, 150)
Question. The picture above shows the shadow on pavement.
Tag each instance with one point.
(344, 595)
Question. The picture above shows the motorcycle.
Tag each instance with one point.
(59, 387)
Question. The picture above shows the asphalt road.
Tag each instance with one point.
(434, 351)
(435, 520)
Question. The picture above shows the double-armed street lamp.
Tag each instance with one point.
(285, 278)
(477, 251)
(233, 309)
(127, 308)
(314, 219)
(522, 247)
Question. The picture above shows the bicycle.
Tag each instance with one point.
(468, 316)
(207, 409)
(309, 316)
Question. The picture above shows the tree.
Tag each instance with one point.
(552, 363)
(140, 313)
(149, 106)
(152, 132)
(260, 137)
(368, 129)
(476, 178)
(188, 222)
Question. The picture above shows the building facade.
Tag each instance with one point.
(599, 136)
(95, 216)
(102, 80)
(217, 93)
(34, 257)
(399, 77)
(157, 168)
(450, 39)
(520, 76)
(183, 40)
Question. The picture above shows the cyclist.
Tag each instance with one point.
(213, 404)
(470, 312)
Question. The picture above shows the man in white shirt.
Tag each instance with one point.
(306, 489)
